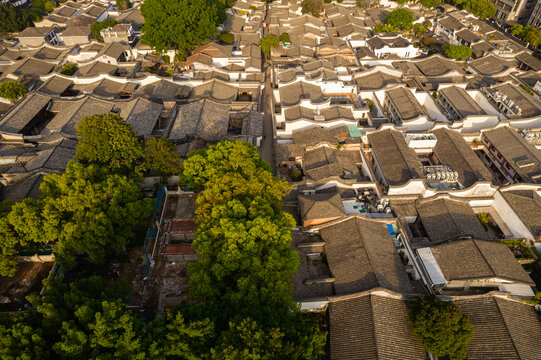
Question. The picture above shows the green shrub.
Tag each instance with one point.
(166, 59)
(123, 4)
(12, 90)
(527, 89)
(226, 38)
(284, 37)
(295, 174)
(96, 28)
(49, 6)
(68, 69)
(458, 52)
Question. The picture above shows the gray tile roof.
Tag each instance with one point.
(321, 205)
(325, 162)
(445, 219)
(450, 23)
(490, 65)
(397, 160)
(376, 80)
(527, 206)
(216, 90)
(141, 114)
(452, 150)
(530, 60)
(479, 259)
(294, 93)
(32, 67)
(371, 326)
(206, 119)
(21, 115)
(405, 103)
(51, 160)
(461, 101)
(70, 116)
(529, 105)
(362, 256)
(524, 157)
(26, 188)
(502, 329)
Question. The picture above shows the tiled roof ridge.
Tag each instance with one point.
(375, 333)
(506, 327)
(484, 257)
(401, 154)
(450, 212)
(365, 249)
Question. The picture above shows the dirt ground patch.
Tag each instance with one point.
(28, 279)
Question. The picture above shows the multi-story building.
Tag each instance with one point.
(513, 11)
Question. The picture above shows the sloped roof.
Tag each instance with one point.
(446, 219)
(321, 205)
(502, 329)
(405, 103)
(142, 115)
(361, 256)
(15, 121)
(397, 160)
(325, 162)
(370, 326)
(452, 150)
(479, 259)
(524, 157)
(206, 119)
(527, 206)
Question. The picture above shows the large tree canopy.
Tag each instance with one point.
(443, 329)
(14, 19)
(245, 260)
(400, 19)
(88, 208)
(180, 24)
(108, 140)
(483, 9)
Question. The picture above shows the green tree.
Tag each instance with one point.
(14, 19)
(226, 156)
(400, 19)
(245, 338)
(180, 25)
(97, 27)
(12, 90)
(481, 8)
(419, 29)
(284, 37)
(123, 4)
(458, 52)
(174, 337)
(312, 7)
(267, 43)
(430, 3)
(226, 37)
(68, 69)
(9, 242)
(91, 209)
(108, 140)
(384, 28)
(532, 36)
(161, 157)
(517, 30)
(442, 327)
(49, 6)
